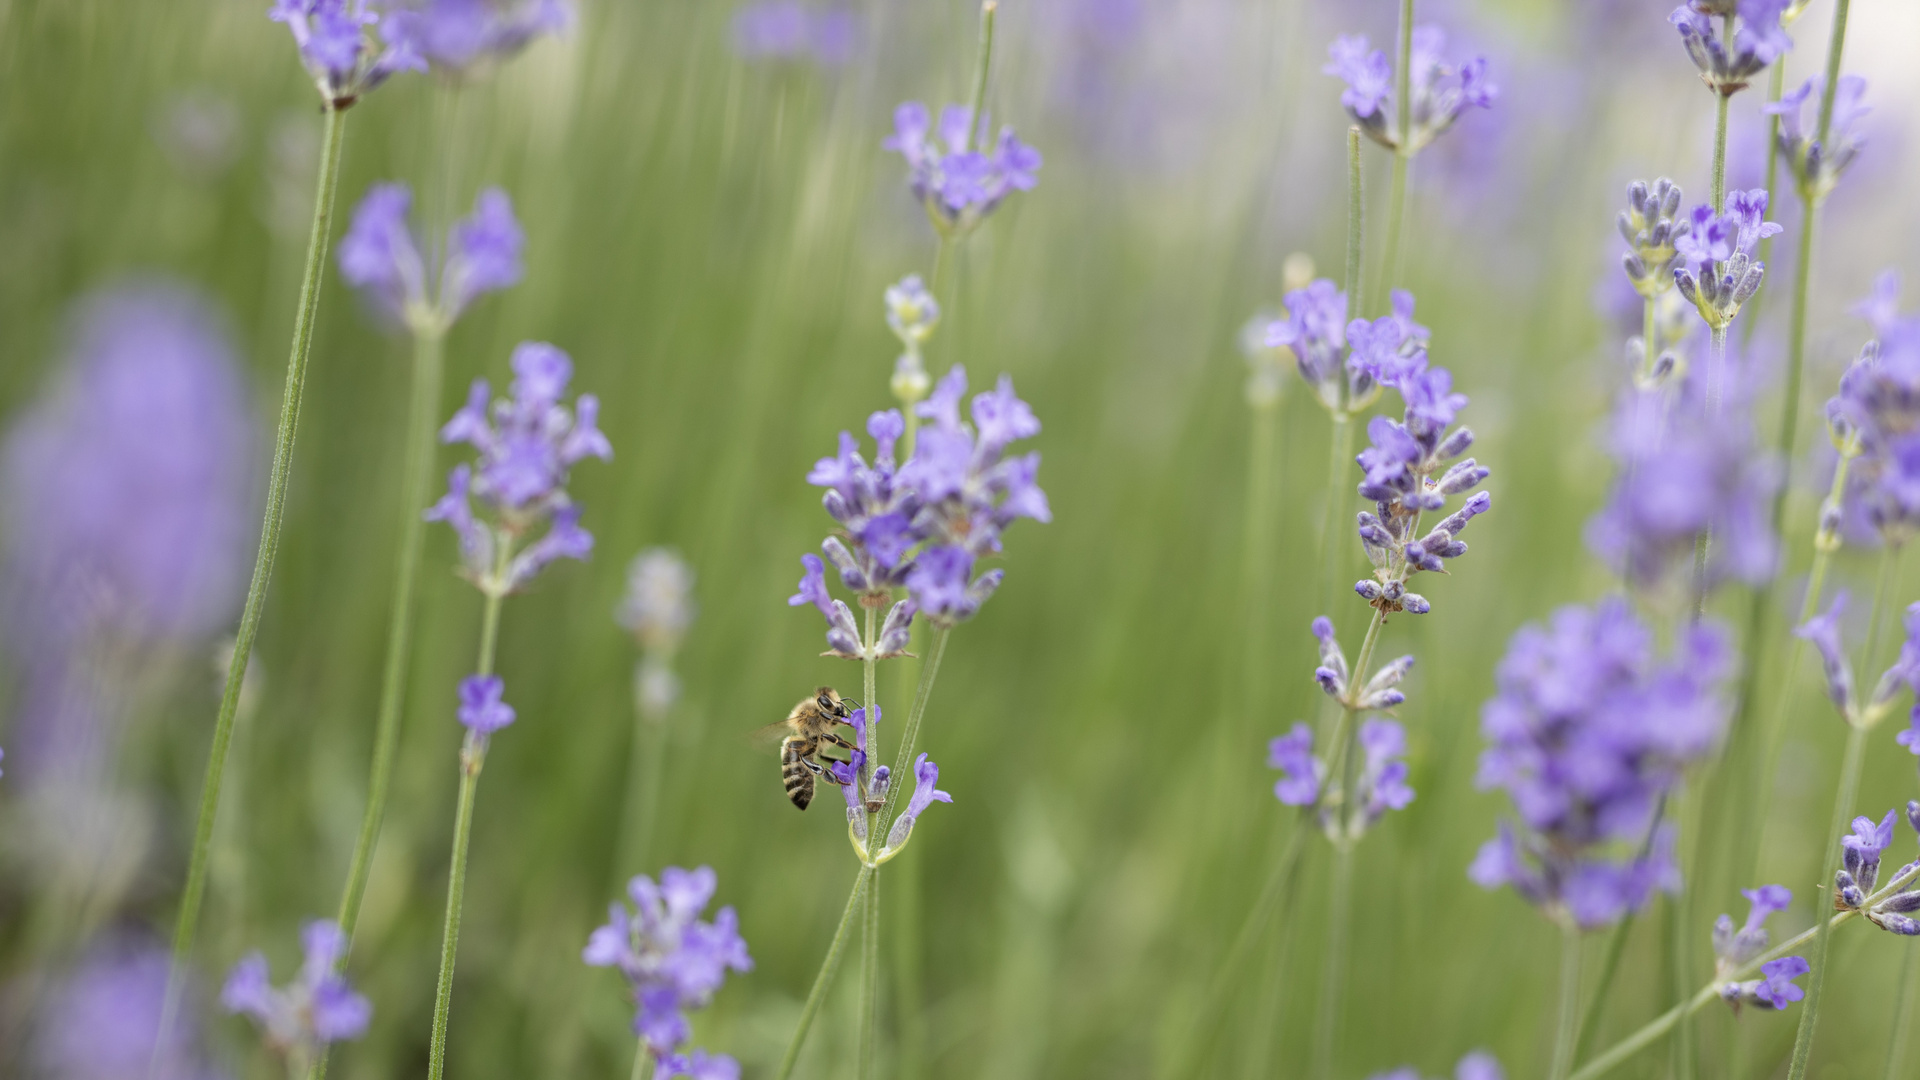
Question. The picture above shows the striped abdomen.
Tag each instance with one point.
(795, 772)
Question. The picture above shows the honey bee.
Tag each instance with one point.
(809, 728)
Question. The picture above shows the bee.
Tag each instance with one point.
(809, 728)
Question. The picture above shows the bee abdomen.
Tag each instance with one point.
(794, 772)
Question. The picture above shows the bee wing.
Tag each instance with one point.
(769, 737)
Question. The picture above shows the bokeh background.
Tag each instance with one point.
(710, 229)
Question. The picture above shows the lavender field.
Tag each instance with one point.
(1462, 627)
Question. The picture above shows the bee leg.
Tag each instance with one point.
(838, 741)
(826, 771)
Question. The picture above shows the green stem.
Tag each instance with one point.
(983, 60)
(279, 471)
(1356, 217)
(1257, 568)
(642, 798)
(1403, 75)
(1796, 353)
(1616, 947)
(1649, 337)
(1334, 971)
(642, 1063)
(910, 736)
(1816, 981)
(1339, 455)
(1719, 193)
(1902, 1014)
(1836, 44)
(1776, 85)
(825, 978)
(1565, 1033)
(1396, 217)
(473, 756)
(424, 408)
(870, 923)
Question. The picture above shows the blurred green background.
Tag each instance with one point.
(709, 238)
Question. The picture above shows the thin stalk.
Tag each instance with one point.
(1719, 182)
(1356, 215)
(911, 1038)
(642, 1062)
(1396, 220)
(982, 61)
(911, 735)
(1649, 336)
(825, 978)
(1836, 44)
(1816, 981)
(1616, 947)
(1678, 935)
(1796, 353)
(1403, 152)
(423, 409)
(1269, 1005)
(1257, 567)
(1334, 972)
(1902, 1015)
(1776, 85)
(1566, 1031)
(1403, 74)
(473, 756)
(278, 473)
(1339, 455)
(870, 922)
(640, 807)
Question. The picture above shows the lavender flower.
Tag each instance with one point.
(317, 1008)
(1683, 470)
(526, 445)
(1401, 468)
(1478, 1065)
(673, 961)
(1823, 631)
(1383, 776)
(1717, 272)
(790, 30)
(1876, 416)
(912, 314)
(657, 609)
(698, 1065)
(100, 1021)
(340, 50)
(1315, 328)
(1728, 66)
(380, 255)
(926, 775)
(1817, 168)
(1854, 882)
(1735, 948)
(1650, 226)
(1775, 989)
(1292, 754)
(459, 37)
(956, 183)
(1439, 92)
(483, 709)
(1588, 734)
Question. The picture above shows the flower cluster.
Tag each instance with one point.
(461, 36)
(657, 610)
(1817, 166)
(1726, 66)
(380, 255)
(102, 1020)
(1823, 631)
(340, 49)
(1438, 91)
(1860, 870)
(1876, 416)
(1717, 271)
(483, 708)
(926, 777)
(924, 524)
(1381, 779)
(959, 185)
(1478, 1065)
(672, 961)
(1684, 469)
(526, 444)
(1589, 734)
(317, 1008)
(1400, 479)
(1734, 949)
(1650, 226)
(789, 30)
(1347, 361)
(912, 314)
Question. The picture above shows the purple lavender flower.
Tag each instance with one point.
(526, 446)
(657, 609)
(1727, 67)
(459, 37)
(340, 50)
(1383, 777)
(1823, 631)
(1292, 754)
(958, 183)
(1651, 226)
(483, 709)
(1683, 470)
(100, 1021)
(1735, 948)
(1817, 168)
(673, 962)
(790, 30)
(698, 1065)
(1401, 467)
(1439, 91)
(380, 255)
(1588, 734)
(1876, 416)
(871, 549)
(1314, 327)
(1775, 989)
(1717, 272)
(1478, 1065)
(317, 1008)
(926, 775)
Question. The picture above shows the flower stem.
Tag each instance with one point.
(1649, 336)
(642, 1062)
(1836, 44)
(1719, 182)
(1389, 273)
(983, 60)
(1568, 1028)
(424, 407)
(870, 922)
(1902, 1015)
(1257, 567)
(473, 756)
(282, 467)
(1615, 949)
(825, 978)
(911, 734)
(1339, 453)
(1776, 85)
(1816, 981)
(1334, 972)
(1356, 216)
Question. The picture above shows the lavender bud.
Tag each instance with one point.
(898, 629)
(1368, 589)
(1416, 604)
(1846, 894)
(1913, 815)
(1465, 476)
(1455, 444)
(1749, 283)
(1901, 902)
(843, 634)
(1684, 281)
(1330, 681)
(1898, 924)
(843, 561)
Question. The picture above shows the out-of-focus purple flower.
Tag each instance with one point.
(1404, 479)
(1876, 415)
(461, 36)
(1817, 167)
(100, 1021)
(483, 708)
(1292, 754)
(1716, 271)
(1478, 1065)
(380, 256)
(1735, 948)
(1652, 226)
(526, 445)
(926, 775)
(1383, 777)
(698, 1065)
(317, 1008)
(673, 961)
(1314, 327)
(1683, 470)
(791, 30)
(1863, 846)
(340, 49)
(658, 606)
(1775, 989)
(1587, 734)
(1439, 91)
(1823, 631)
(1727, 67)
(959, 173)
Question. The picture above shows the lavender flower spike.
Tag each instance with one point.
(317, 1008)
(1439, 91)
(672, 960)
(1717, 272)
(1651, 225)
(1727, 66)
(912, 314)
(1735, 948)
(1292, 754)
(1823, 631)
(340, 50)
(1817, 168)
(958, 184)
(380, 256)
(925, 775)
(461, 37)
(1775, 989)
